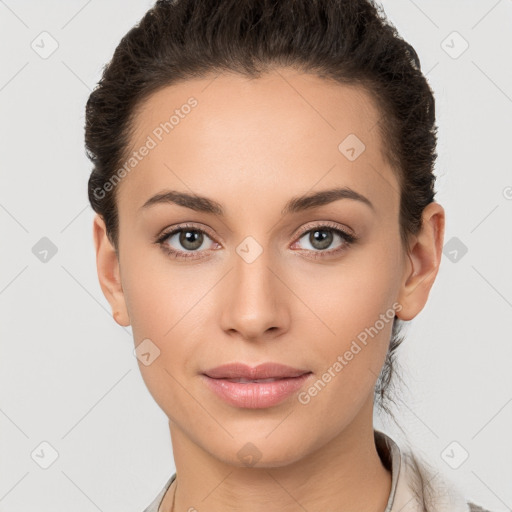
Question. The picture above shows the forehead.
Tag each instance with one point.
(229, 134)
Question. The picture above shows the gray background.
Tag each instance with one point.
(68, 376)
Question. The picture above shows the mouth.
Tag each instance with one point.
(259, 387)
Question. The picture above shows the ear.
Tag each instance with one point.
(424, 254)
(107, 265)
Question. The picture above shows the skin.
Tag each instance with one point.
(251, 145)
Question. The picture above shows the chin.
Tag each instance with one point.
(259, 452)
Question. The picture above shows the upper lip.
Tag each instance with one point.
(262, 371)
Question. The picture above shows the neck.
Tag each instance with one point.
(346, 473)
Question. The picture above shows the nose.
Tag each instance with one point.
(254, 301)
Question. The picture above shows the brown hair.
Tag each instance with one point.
(350, 42)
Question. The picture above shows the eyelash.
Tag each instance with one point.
(348, 239)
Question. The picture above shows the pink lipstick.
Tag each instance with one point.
(257, 387)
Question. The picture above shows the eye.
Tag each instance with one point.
(321, 237)
(184, 241)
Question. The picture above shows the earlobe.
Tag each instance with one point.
(424, 257)
(107, 266)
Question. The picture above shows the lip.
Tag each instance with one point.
(255, 395)
(262, 371)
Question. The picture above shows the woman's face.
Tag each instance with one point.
(270, 279)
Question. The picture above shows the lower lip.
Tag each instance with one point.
(254, 395)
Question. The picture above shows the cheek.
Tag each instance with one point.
(152, 294)
(354, 310)
(350, 358)
(166, 305)
(158, 312)
(149, 307)
(352, 297)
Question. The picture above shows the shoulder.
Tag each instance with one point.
(419, 485)
(433, 485)
(155, 504)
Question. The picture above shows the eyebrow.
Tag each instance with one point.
(294, 205)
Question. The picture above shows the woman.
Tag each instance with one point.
(264, 189)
